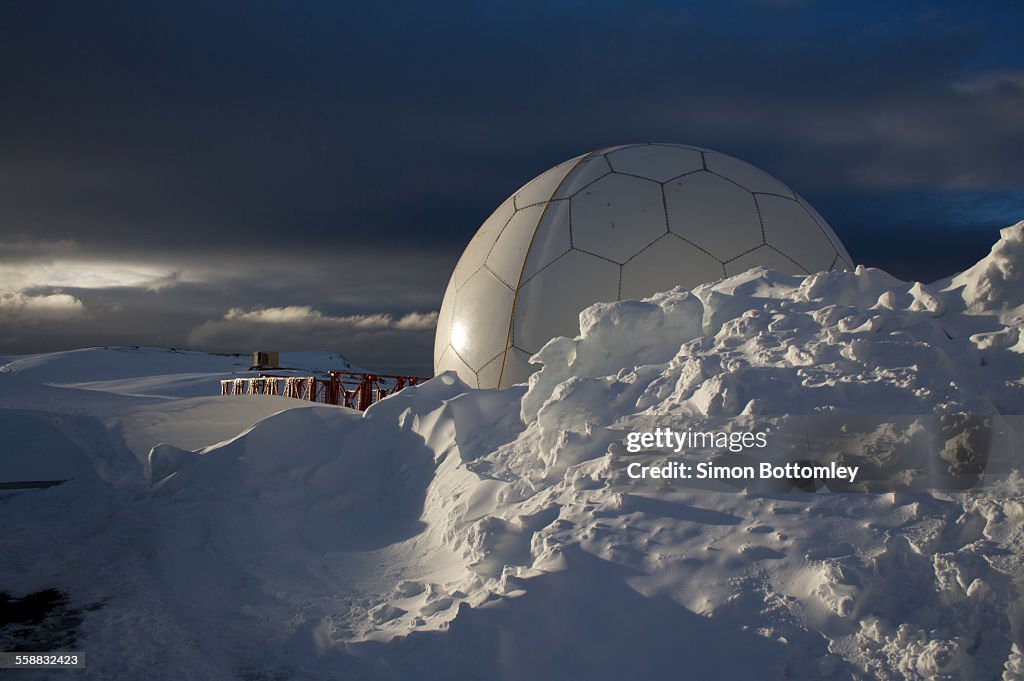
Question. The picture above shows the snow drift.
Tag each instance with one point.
(454, 533)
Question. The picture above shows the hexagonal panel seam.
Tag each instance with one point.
(673, 179)
(572, 243)
(510, 337)
(660, 237)
(809, 214)
(528, 353)
(437, 360)
(746, 252)
(664, 207)
(695, 245)
(568, 219)
(614, 262)
(552, 262)
(497, 276)
(729, 179)
(463, 359)
(806, 271)
(760, 220)
(781, 196)
(834, 241)
(576, 193)
(792, 198)
(515, 197)
(538, 203)
(511, 341)
(836, 244)
(495, 357)
(598, 157)
(500, 232)
(669, 145)
(437, 357)
(639, 177)
(471, 275)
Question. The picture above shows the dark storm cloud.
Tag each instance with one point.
(338, 156)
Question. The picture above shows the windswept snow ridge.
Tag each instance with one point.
(453, 533)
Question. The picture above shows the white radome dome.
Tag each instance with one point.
(618, 223)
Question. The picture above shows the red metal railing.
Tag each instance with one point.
(345, 388)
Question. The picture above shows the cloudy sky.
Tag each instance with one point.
(238, 175)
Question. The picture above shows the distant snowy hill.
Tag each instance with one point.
(157, 372)
(109, 363)
(449, 533)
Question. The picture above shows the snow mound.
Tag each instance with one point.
(762, 343)
(996, 283)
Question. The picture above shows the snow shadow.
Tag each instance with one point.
(584, 622)
(633, 503)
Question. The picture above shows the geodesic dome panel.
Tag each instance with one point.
(620, 222)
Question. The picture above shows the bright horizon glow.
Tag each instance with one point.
(86, 274)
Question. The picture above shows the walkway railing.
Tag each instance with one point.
(345, 388)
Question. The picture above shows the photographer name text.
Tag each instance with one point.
(734, 441)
